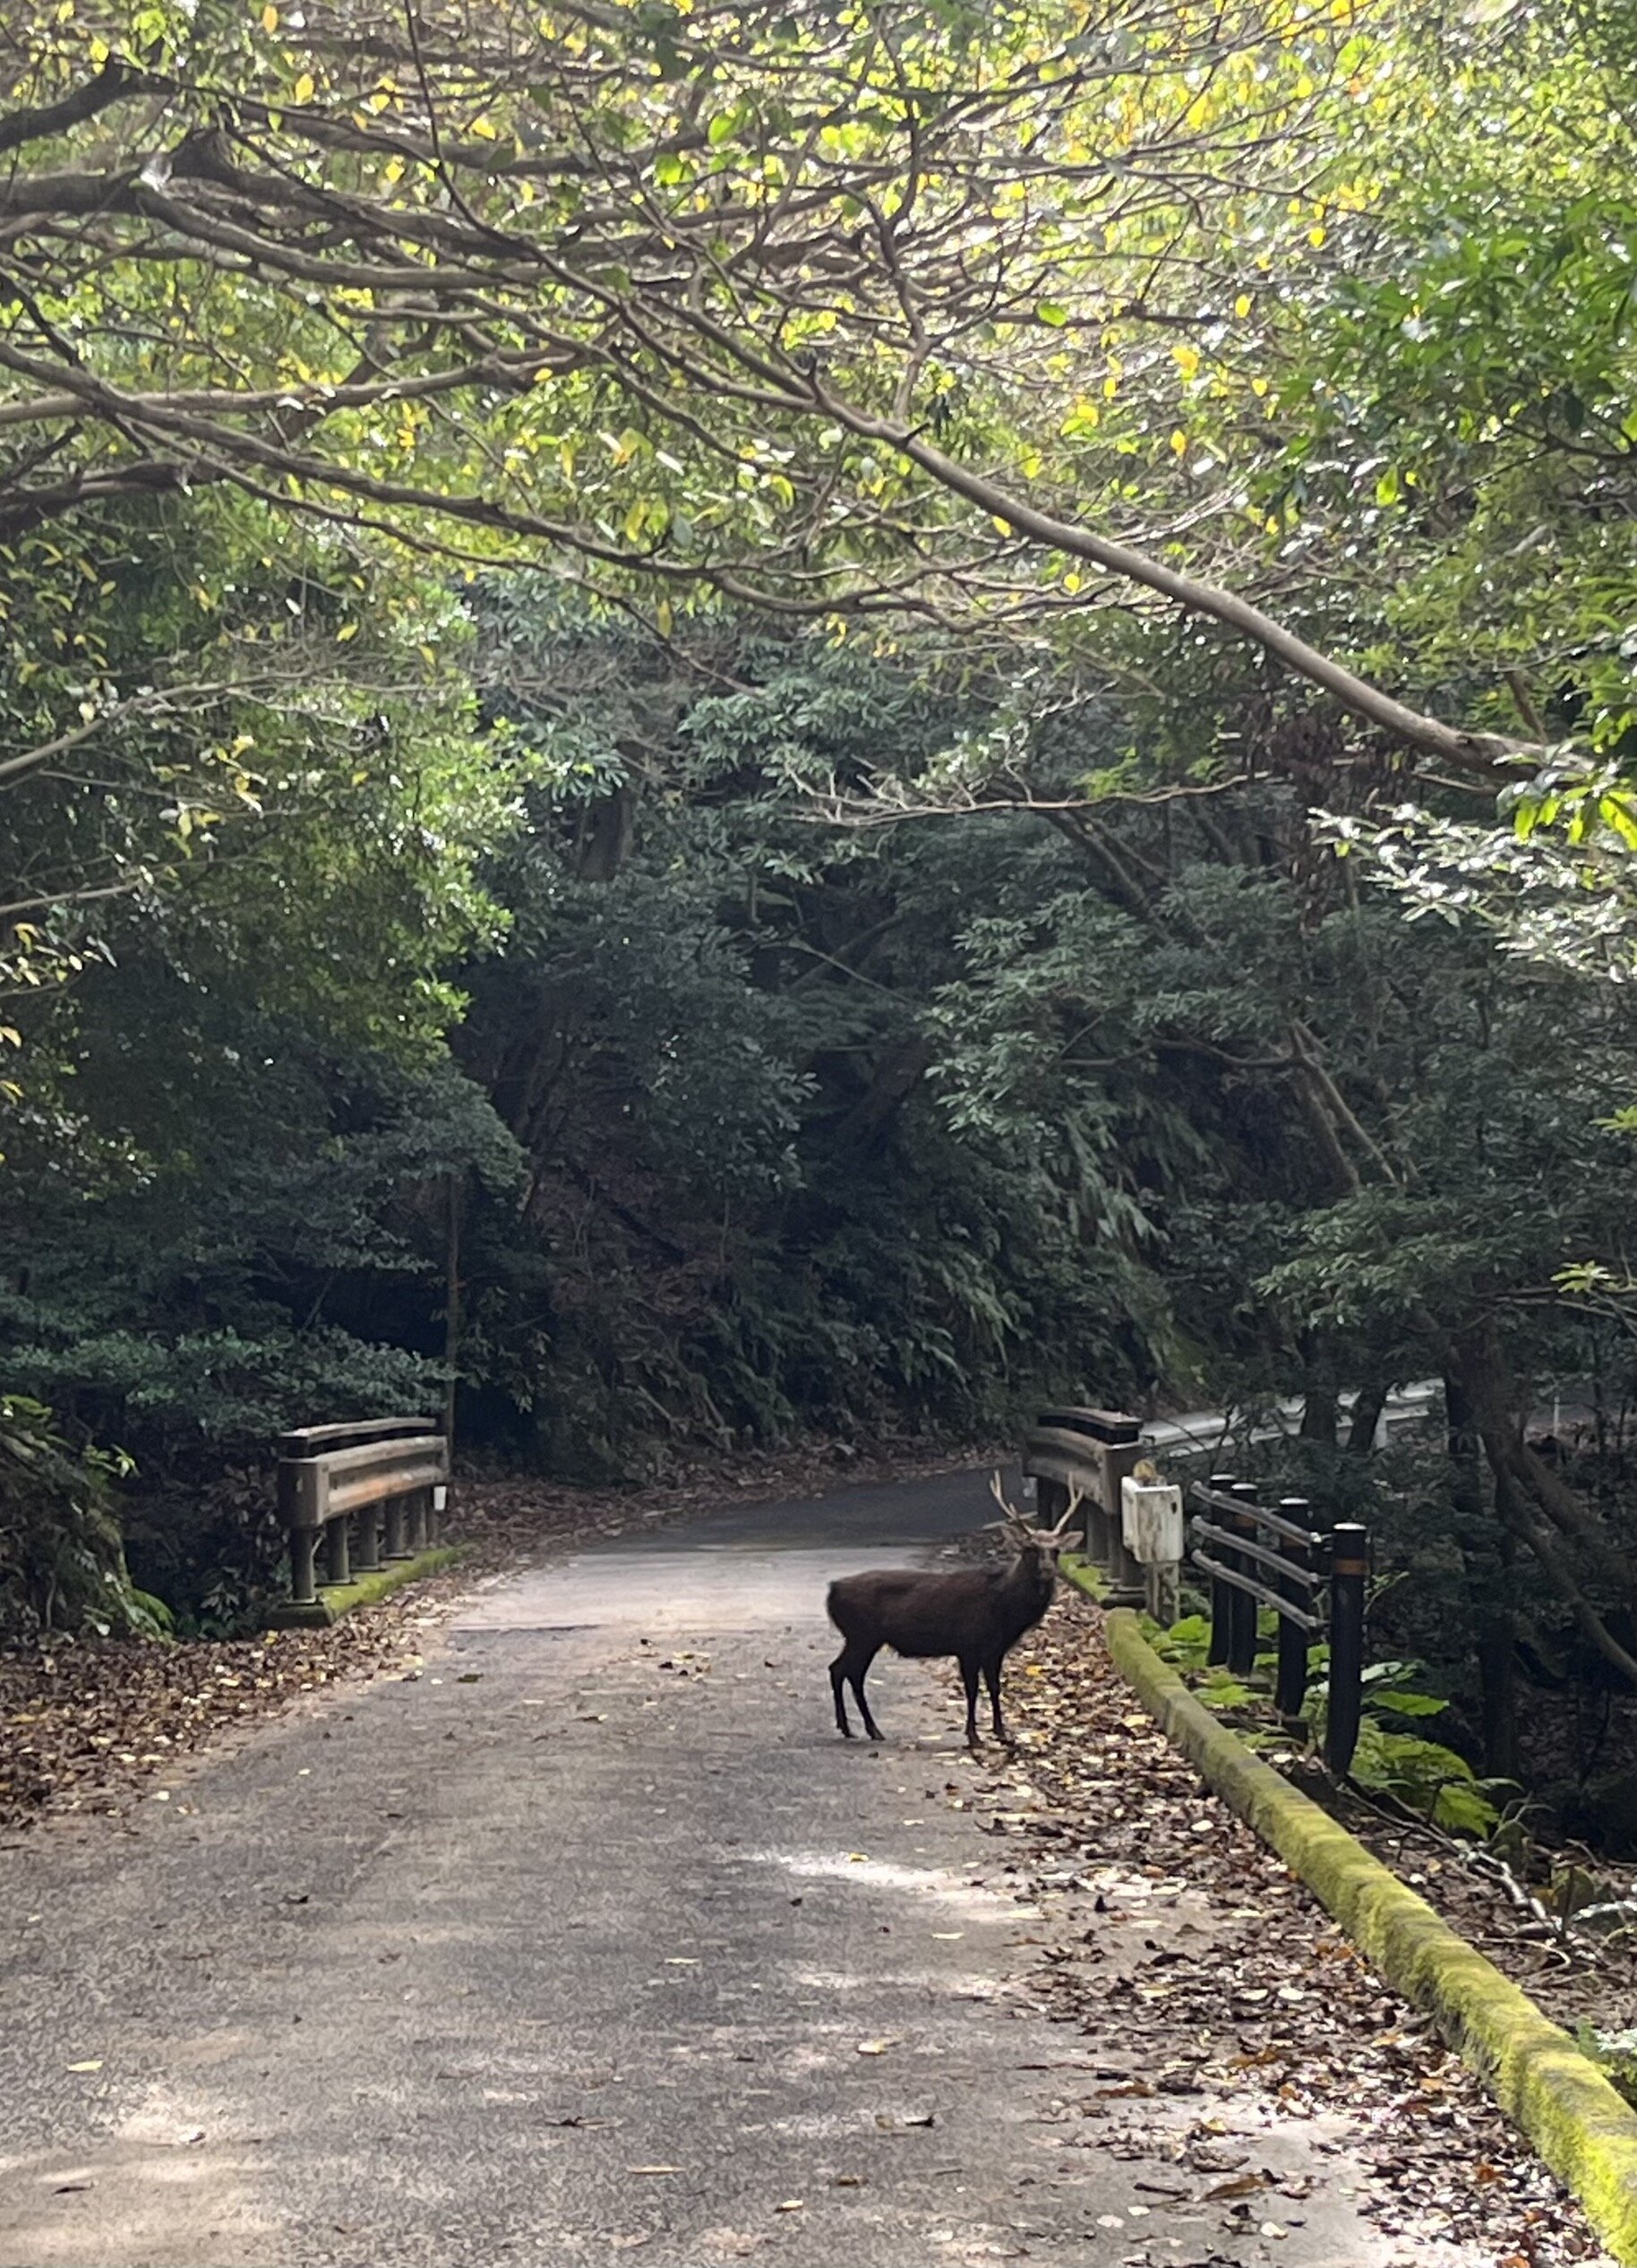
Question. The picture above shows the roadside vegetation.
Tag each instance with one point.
(725, 730)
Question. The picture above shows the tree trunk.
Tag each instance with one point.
(1321, 1409)
(605, 844)
(1366, 1416)
(1487, 1552)
(451, 1302)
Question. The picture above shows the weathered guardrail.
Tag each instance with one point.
(1088, 1454)
(363, 1495)
(1252, 1555)
(1256, 1555)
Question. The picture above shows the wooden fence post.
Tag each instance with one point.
(1348, 1560)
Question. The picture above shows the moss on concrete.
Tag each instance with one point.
(1557, 2094)
(337, 1599)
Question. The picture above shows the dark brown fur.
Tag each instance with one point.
(977, 1615)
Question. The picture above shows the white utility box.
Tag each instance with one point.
(1151, 1521)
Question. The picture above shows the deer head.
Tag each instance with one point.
(1043, 1545)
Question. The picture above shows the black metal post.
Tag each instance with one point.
(1349, 1560)
(1291, 1687)
(1242, 1622)
(392, 1545)
(1222, 1594)
(338, 1561)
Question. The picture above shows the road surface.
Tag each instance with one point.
(591, 1938)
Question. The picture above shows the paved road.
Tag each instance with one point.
(571, 1948)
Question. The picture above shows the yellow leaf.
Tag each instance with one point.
(1315, 237)
(304, 89)
(93, 2063)
(1258, 387)
(1241, 305)
(1180, 443)
(269, 19)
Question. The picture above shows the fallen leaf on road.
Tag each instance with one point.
(875, 2046)
(653, 2169)
(790, 2205)
(1244, 2185)
(93, 2063)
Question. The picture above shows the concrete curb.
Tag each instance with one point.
(336, 1599)
(1583, 2130)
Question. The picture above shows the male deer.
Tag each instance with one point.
(977, 1615)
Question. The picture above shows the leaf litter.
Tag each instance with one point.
(1235, 1984)
(87, 1722)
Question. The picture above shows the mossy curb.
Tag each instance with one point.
(336, 1599)
(1555, 2093)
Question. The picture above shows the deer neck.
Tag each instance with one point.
(1029, 1583)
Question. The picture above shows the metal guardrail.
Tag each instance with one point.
(1088, 1453)
(364, 1494)
(1252, 1555)
(1257, 1555)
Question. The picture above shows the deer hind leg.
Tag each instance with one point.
(852, 1667)
(969, 1679)
(992, 1678)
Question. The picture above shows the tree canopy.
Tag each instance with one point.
(726, 720)
(970, 314)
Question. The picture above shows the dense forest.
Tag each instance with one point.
(722, 723)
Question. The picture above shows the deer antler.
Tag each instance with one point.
(1011, 1519)
(1075, 1500)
